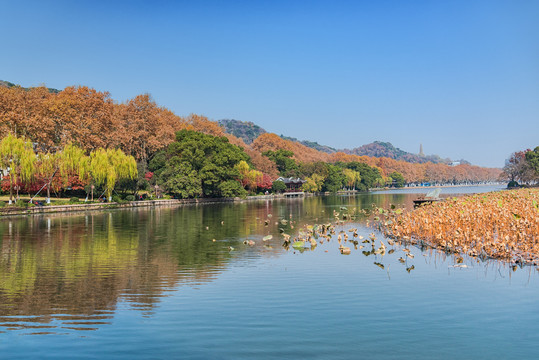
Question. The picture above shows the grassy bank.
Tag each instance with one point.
(501, 225)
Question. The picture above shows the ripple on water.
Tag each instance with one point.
(145, 284)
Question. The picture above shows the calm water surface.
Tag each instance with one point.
(163, 283)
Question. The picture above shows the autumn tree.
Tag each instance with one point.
(314, 183)
(144, 127)
(248, 177)
(516, 167)
(80, 115)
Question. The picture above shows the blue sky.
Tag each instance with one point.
(460, 77)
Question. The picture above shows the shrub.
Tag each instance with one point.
(130, 198)
(21, 203)
(116, 198)
(74, 200)
(232, 188)
(512, 184)
(2, 204)
(278, 186)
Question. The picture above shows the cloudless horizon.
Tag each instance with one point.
(459, 77)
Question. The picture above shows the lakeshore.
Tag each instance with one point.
(49, 209)
(8, 211)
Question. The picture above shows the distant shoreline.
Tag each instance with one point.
(60, 209)
(434, 186)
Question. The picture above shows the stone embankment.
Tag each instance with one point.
(37, 210)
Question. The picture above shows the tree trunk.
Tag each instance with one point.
(49, 186)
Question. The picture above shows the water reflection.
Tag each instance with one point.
(60, 274)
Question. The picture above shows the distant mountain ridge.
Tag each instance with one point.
(9, 85)
(249, 131)
(386, 149)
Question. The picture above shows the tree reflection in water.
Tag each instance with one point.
(70, 272)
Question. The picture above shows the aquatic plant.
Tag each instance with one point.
(501, 225)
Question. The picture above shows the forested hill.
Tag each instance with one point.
(10, 85)
(386, 149)
(312, 145)
(245, 130)
(248, 132)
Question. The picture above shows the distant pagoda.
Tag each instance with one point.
(421, 150)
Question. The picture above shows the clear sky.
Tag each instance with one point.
(460, 77)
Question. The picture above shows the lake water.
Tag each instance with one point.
(163, 283)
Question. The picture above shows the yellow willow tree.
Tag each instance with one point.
(351, 178)
(68, 161)
(107, 167)
(47, 166)
(17, 155)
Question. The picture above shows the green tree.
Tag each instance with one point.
(283, 160)
(232, 188)
(17, 155)
(308, 169)
(197, 164)
(532, 157)
(335, 179)
(278, 186)
(397, 179)
(369, 175)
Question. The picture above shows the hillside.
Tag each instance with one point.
(248, 132)
(386, 149)
(245, 130)
(312, 144)
(10, 85)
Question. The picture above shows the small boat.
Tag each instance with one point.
(429, 198)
